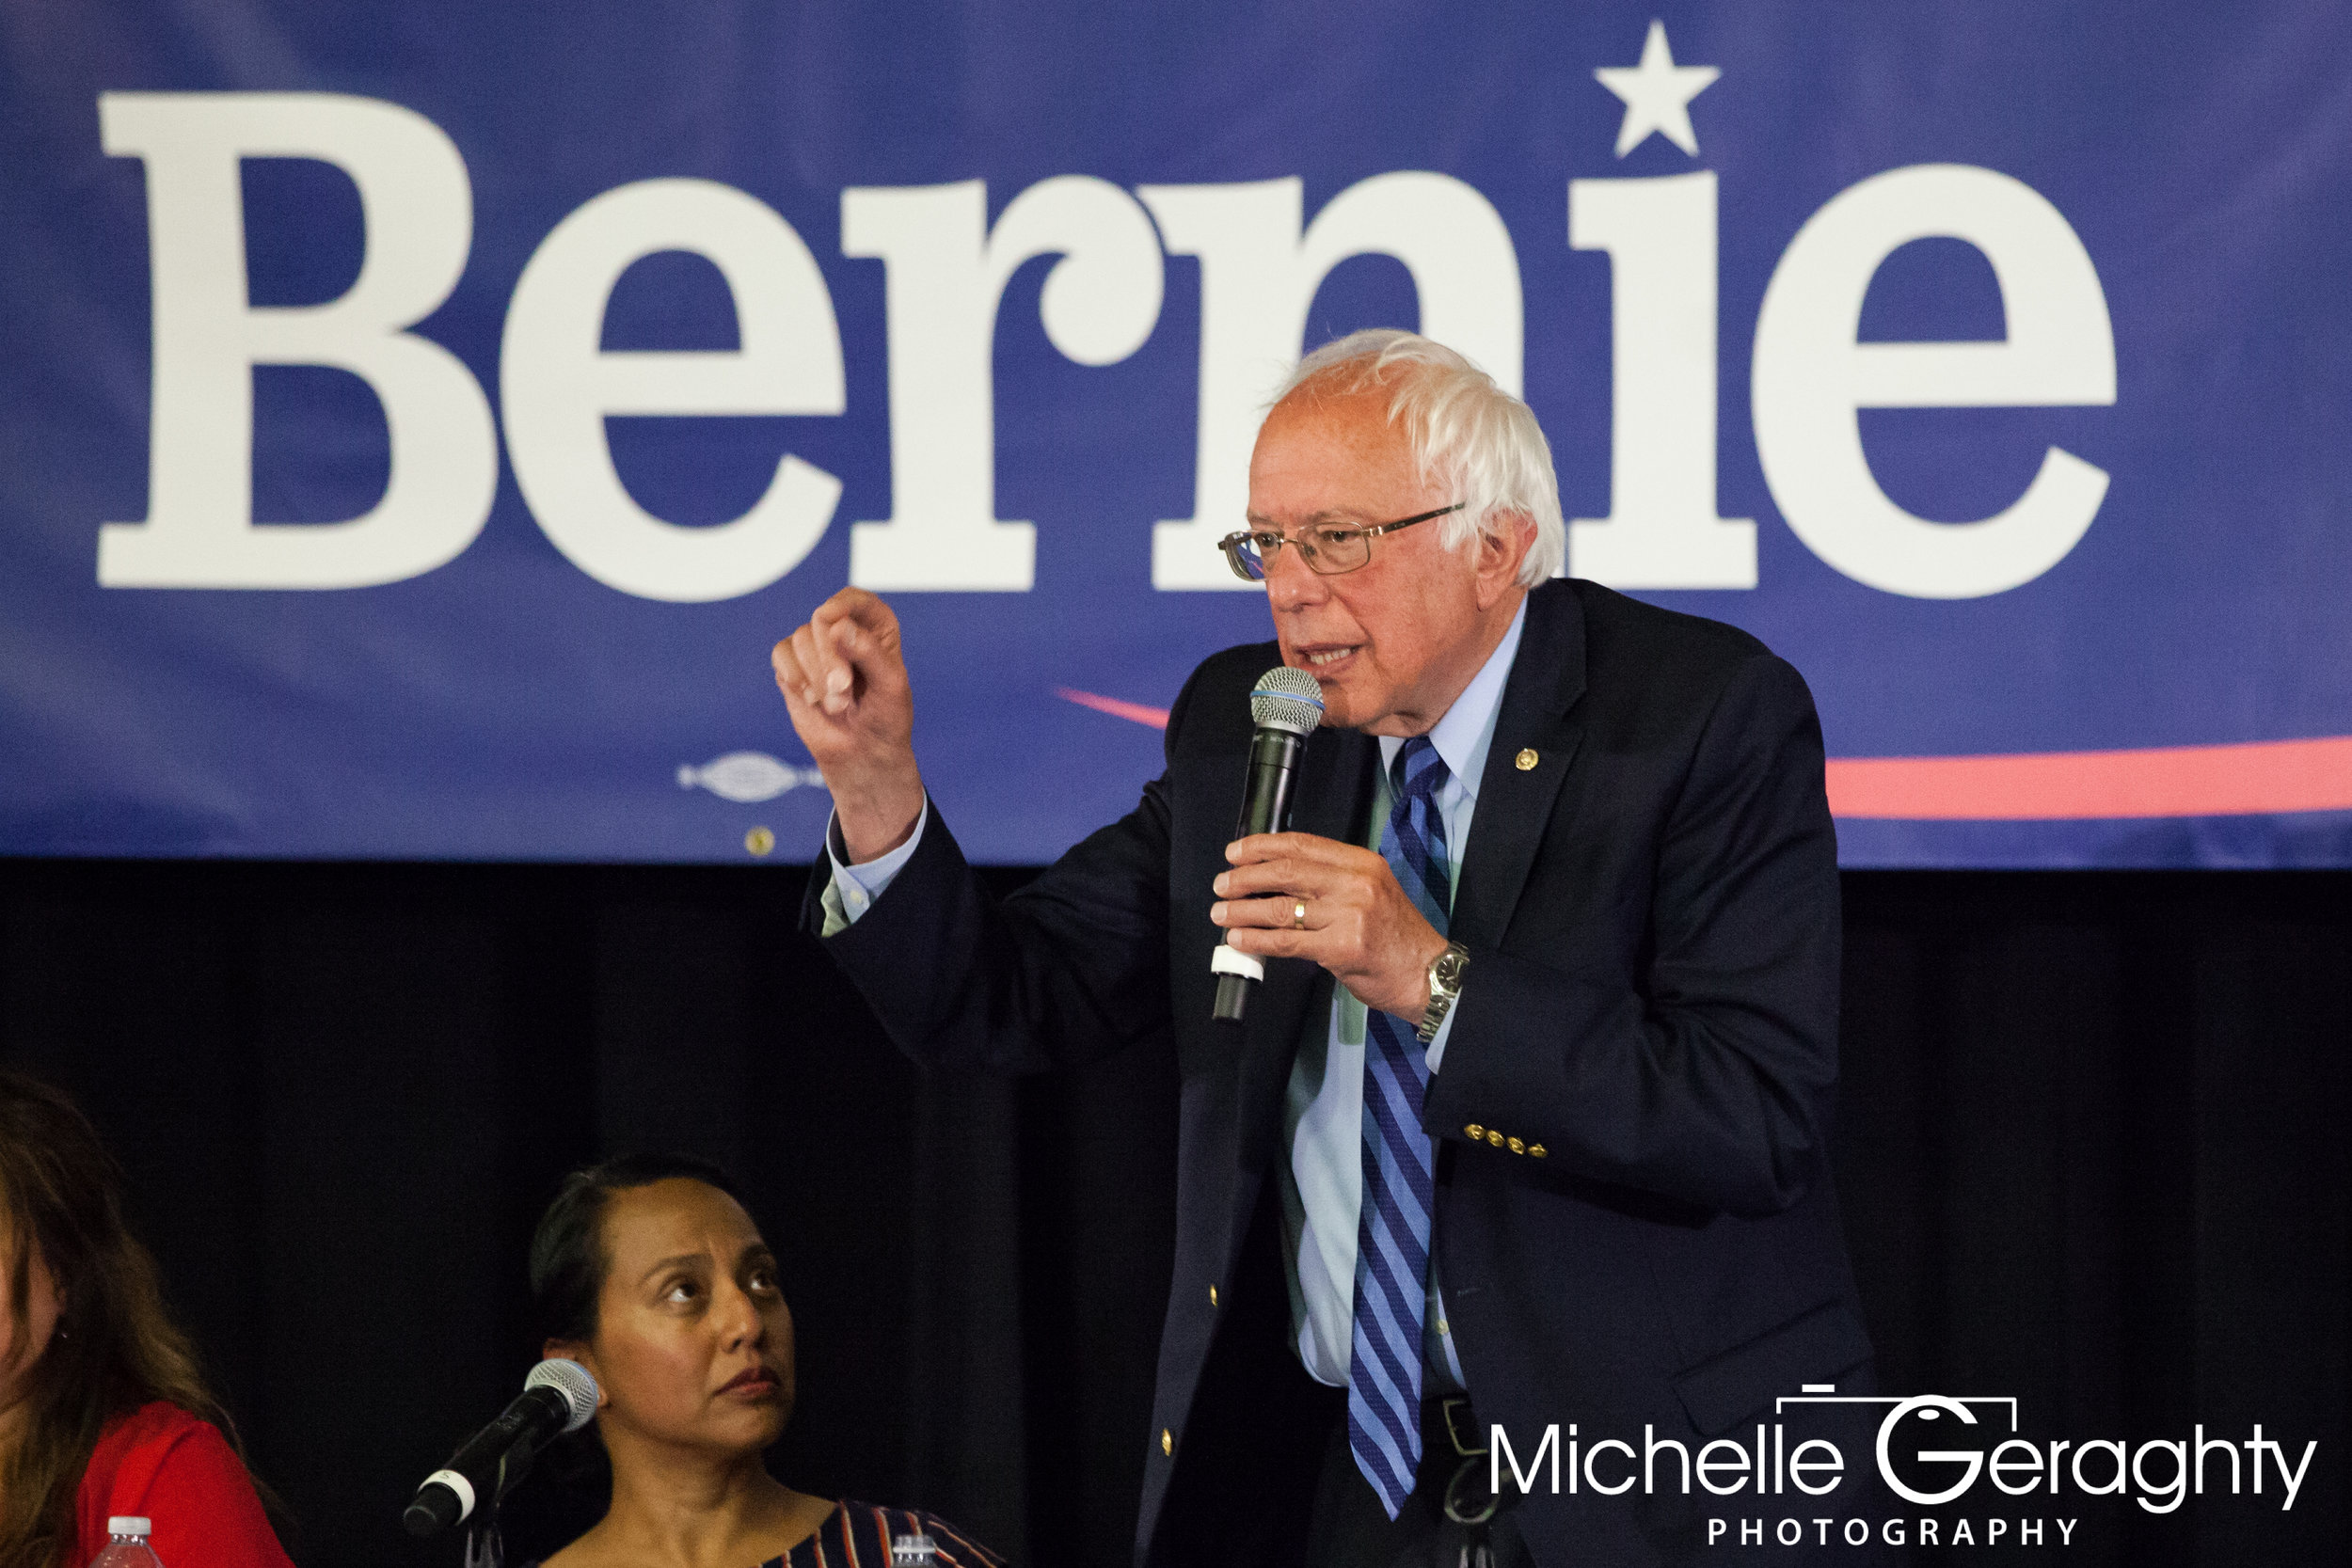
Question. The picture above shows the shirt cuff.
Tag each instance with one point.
(1437, 1042)
(853, 889)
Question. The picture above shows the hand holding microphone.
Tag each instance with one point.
(1295, 895)
(1285, 707)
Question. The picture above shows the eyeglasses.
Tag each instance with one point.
(1328, 549)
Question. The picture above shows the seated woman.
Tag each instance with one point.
(103, 1411)
(649, 1271)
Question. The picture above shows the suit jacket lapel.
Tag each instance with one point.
(1515, 803)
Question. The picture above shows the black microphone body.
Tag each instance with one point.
(1265, 808)
(491, 1461)
(1285, 706)
(1266, 801)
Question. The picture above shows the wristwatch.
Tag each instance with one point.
(1445, 985)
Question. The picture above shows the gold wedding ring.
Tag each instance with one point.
(1298, 916)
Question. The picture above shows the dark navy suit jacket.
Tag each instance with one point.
(1649, 897)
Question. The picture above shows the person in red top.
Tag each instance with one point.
(102, 1409)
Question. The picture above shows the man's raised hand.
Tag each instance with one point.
(844, 684)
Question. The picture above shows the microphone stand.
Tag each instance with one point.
(483, 1546)
(483, 1549)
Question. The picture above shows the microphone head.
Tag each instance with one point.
(1286, 699)
(574, 1381)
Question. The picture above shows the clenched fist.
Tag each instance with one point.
(845, 683)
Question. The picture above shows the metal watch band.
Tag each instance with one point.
(1445, 985)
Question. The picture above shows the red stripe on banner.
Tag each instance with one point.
(1155, 716)
(2047, 787)
(2172, 780)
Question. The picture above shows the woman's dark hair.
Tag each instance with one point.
(115, 1348)
(568, 1258)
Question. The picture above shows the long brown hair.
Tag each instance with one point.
(116, 1347)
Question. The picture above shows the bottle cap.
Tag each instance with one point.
(130, 1524)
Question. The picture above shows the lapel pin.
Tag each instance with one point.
(1527, 760)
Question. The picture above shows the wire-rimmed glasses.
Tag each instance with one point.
(1328, 549)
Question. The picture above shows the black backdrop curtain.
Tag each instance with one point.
(2093, 1143)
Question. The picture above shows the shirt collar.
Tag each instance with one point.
(1467, 732)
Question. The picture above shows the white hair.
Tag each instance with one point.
(1470, 437)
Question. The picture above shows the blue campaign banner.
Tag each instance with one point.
(417, 422)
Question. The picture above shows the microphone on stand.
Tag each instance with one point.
(557, 1397)
(1286, 705)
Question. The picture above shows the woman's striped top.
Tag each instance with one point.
(861, 1535)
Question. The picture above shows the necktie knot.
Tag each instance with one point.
(1419, 772)
(1415, 844)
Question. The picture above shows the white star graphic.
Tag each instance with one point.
(1657, 94)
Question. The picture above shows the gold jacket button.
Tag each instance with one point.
(1518, 1147)
(1168, 1441)
(1212, 1296)
(1527, 760)
(1495, 1138)
(1475, 1131)
(1538, 1150)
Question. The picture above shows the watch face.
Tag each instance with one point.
(1446, 971)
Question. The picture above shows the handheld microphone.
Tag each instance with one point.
(557, 1397)
(1286, 705)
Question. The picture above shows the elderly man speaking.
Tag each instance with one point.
(1524, 1128)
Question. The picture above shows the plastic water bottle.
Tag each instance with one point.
(128, 1547)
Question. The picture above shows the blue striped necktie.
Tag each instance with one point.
(1399, 1198)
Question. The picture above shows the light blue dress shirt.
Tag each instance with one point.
(1323, 1111)
(1323, 1115)
(854, 888)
